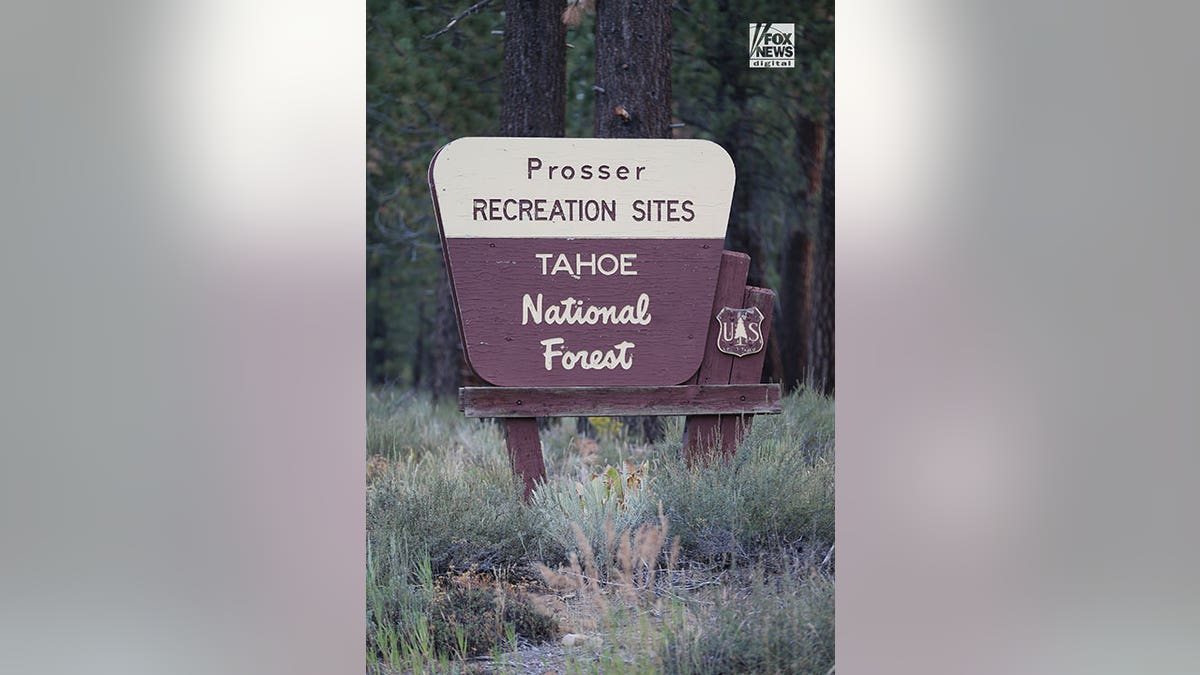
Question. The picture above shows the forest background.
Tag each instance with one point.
(437, 71)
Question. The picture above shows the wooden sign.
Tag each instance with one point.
(589, 278)
(583, 262)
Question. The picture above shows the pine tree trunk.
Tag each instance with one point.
(633, 94)
(535, 69)
(796, 303)
(446, 346)
(820, 355)
(418, 363)
(534, 105)
(633, 69)
(808, 151)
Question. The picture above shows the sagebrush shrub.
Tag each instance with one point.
(776, 493)
(467, 516)
(613, 498)
(779, 623)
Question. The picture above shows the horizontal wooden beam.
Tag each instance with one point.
(577, 401)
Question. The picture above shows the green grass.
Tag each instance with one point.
(399, 594)
(768, 623)
(419, 622)
(734, 577)
(776, 494)
(464, 512)
(401, 424)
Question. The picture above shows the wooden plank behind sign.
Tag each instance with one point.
(521, 402)
(747, 369)
(731, 288)
(702, 433)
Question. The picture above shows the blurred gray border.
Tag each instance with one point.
(1017, 404)
(182, 266)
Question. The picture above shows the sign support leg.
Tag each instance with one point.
(525, 451)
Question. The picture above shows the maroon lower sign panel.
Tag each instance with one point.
(583, 312)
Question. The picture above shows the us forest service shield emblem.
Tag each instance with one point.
(741, 331)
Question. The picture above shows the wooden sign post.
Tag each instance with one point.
(589, 279)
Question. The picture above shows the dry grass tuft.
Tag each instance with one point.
(629, 567)
(588, 450)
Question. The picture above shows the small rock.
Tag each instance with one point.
(579, 640)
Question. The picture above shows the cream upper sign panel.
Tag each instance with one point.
(583, 187)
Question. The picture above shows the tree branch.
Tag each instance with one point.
(473, 9)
